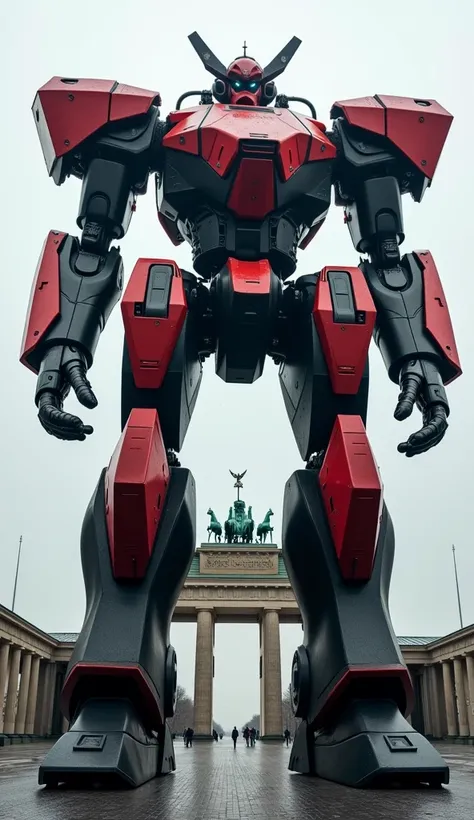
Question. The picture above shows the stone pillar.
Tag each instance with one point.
(4, 654)
(12, 691)
(436, 727)
(426, 702)
(23, 694)
(32, 696)
(271, 719)
(461, 697)
(203, 676)
(45, 701)
(470, 690)
(449, 701)
(51, 690)
(38, 726)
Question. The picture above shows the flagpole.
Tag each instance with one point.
(16, 574)
(457, 585)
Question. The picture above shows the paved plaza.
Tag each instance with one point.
(215, 783)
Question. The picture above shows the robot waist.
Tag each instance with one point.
(215, 238)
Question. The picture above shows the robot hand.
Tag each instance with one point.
(421, 384)
(63, 367)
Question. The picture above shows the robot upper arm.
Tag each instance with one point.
(68, 112)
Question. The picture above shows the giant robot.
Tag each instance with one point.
(246, 181)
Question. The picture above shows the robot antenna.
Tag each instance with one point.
(280, 62)
(209, 59)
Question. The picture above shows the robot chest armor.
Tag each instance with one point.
(247, 162)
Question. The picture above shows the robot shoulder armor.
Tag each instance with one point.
(417, 127)
(68, 111)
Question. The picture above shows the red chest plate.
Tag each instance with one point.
(263, 145)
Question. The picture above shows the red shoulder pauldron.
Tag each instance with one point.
(68, 111)
(417, 127)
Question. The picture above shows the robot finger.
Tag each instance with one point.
(75, 373)
(408, 395)
(432, 432)
(60, 424)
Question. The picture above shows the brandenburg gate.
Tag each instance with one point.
(237, 575)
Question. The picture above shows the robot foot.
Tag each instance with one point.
(372, 745)
(107, 747)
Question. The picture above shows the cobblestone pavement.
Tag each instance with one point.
(215, 783)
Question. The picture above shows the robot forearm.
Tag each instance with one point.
(69, 306)
(413, 319)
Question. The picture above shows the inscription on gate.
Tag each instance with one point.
(241, 563)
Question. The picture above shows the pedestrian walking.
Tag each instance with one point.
(234, 736)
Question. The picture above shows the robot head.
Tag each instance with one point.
(244, 82)
(244, 85)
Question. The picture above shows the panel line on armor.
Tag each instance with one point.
(352, 492)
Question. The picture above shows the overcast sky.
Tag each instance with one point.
(349, 50)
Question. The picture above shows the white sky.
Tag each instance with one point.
(349, 49)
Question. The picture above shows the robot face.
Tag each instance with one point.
(245, 82)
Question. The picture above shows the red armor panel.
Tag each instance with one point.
(184, 135)
(223, 128)
(363, 112)
(148, 702)
(352, 494)
(68, 111)
(150, 340)
(44, 300)
(253, 191)
(135, 490)
(345, 345)
(418, 127)
(250, 277)
(437, 318)
(129, 101)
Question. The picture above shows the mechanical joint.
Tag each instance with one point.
(375, 220)
(106, 205)
(246, 297)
